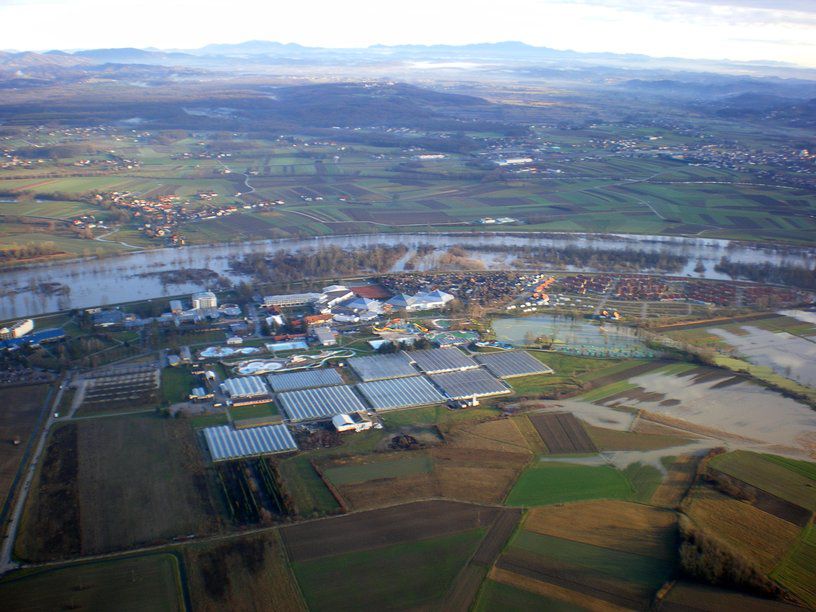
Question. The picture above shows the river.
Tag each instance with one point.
(132, 276)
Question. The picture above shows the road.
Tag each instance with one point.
(7, 562)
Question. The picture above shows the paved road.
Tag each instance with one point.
(7, 562)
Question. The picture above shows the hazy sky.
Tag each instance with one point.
(782, 30)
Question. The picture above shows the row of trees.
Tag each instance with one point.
(795, 276)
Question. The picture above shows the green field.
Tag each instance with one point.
(798, 571)
(551, 482)
(308, 491)
(402, 575)
(176, 384)
(648, 572)
(254, 411)
(137, 584)
(498, 596)
(394, 467)
(794, 481)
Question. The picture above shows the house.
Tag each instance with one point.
(108, 318)
(354, 421)
(18, 329)
(175, 307)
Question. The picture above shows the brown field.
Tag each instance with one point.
(498, 435)
(113, 483)
(755, 535)
(534, 441)
(562, 433)
(242, 574)
(674, 487)
(588, 582)
(691, 596)
(50, 525)
(476, 474)
(613, 439)
(141, 480)
(21, 408)
(377, 528)
(550, 590)
(619, 525)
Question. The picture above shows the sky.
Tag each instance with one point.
(744, 30)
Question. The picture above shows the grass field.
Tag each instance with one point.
(145, 583)
(403, 575)
(794, 481)
(176, 384)
(498, 596)
(379, 466)
(797, 572)
(240, 573)
(309, 492)
(21, 409)
(558, 482)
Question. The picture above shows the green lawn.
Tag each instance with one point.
(552, 482)
(176, 384)
(255, 411)
(393, 577)
(147, 583)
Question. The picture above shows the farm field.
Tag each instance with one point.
(145, 583)
(238, 573)
(562, 433)
(788, 479)
(551, 482)
(22, 407)
(309, 493)
(499, 596)
(685, 596)
(112, 483)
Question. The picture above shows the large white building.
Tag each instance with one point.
(420, 301)
(291, 299)
(204, 300)
(18, 329)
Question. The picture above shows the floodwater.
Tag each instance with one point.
(93, 282)
(791, 356)
(764, 419)
(565, 330)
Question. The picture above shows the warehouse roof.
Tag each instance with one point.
(225, 442)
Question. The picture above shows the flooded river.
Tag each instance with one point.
(133, 276)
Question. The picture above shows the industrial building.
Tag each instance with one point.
(435, 361)
(290, 300)
(324, 335)
(204, 300)
(226, 443)
(18, 329)
(307, 379)
(353, 421)
(248, 389)
(508, 364)
(420, 301)
(381, 367)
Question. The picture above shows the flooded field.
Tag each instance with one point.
(725, 406)
(791, 356)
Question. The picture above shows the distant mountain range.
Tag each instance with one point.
(258, 52)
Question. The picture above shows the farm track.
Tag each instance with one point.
(465, 588)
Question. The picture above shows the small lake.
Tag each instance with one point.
(579, 335)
